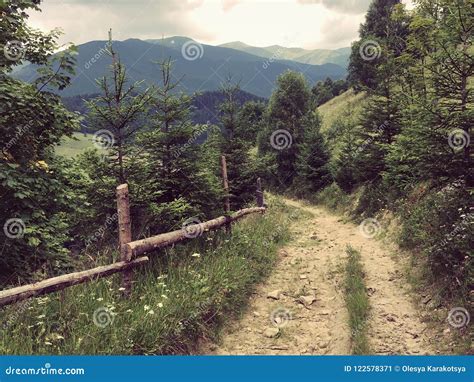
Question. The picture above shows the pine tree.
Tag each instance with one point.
(313, 158)
(172, 180)
(232, 144)
(289, 104)
(117, 114)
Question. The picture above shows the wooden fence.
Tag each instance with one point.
(130, 251)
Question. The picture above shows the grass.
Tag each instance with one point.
(347, 102)
(179, 299)
(77, 144)
(357, 302)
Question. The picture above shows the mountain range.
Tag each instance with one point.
(314, 57)
(200, 67)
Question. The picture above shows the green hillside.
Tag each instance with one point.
(305, 56)
(70, 147)
(348, 103)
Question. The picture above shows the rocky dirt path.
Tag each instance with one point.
(301, 310)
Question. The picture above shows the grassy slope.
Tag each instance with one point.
(70, 147)
(347, 102)
(177, 300)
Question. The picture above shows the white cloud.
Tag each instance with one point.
(300, 23)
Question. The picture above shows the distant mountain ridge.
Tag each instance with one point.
(201, 67)
(305, 56)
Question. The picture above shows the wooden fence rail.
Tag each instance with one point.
(129, 250)
(54, 284)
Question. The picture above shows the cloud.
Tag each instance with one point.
(85, 20)
(325, 24)
(341, 6)
(340, 30)
(227, 5)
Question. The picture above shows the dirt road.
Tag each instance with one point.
(301, 310)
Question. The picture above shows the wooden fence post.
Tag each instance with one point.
(225, 182)
(125, 233)
(259, 195)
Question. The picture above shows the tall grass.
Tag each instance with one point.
(179, 299)
(357, 302)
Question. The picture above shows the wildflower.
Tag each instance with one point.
(42, 165)
(41, 316)
(195, 255)
(151, 312)
(146, 308)
(164, 296)
(129, 311)
(121, 289)
(160, 305)
(100, 299)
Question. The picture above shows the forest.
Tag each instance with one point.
(395, 161)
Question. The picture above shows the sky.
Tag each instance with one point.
(310, 24)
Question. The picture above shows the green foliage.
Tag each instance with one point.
(313, 159)
(326, 90)
(171, 179)
(233, 143)
(183, 295)
(301, 161)
(118, 113)
(251, 119)
(438, 224)
(32, 121)
(414, 132)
